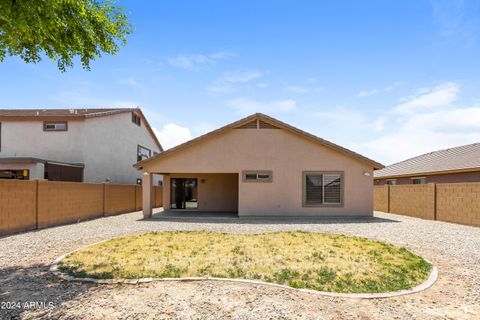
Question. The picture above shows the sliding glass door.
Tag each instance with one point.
(183, 193)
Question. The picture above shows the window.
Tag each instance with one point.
(55, 126)
(0, 136)
(422, 180)
(142, 153)
(391, 182)
(322, 188)
(136, 119)
(257, 176)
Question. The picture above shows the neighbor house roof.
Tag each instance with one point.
(74, 114)
(273, 122)
(459, 159)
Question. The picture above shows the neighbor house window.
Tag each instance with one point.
(391, 182)
(55, 126)
(322, 188)
(257, 176)
(136, 119)
(422, 180)
(143, 153)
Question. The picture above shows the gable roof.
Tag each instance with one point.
(74, 114)
(267, 123)
(461, 158)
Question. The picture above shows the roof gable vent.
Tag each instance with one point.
(257, 124)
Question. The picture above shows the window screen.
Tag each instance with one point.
(322, 188)
(143, 153)
(314, 189)
(331, 185)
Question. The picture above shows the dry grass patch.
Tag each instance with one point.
(325, 262)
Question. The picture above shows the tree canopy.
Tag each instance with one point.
(62, 30)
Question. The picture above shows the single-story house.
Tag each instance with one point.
(260, 166)
(459, 164)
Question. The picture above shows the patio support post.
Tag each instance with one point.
(147, 186)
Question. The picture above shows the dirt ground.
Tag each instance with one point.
(29, 291)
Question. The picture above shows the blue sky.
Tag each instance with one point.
(388, 79)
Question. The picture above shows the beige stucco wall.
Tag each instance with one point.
(287, 155)
(27, 139)
(107, 146)
(216, 192)
(110, 149)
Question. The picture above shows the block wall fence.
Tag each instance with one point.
(450, 202)
(35, 204)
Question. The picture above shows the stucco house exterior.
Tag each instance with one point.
(260, 166)
(84, 145)
(452, 165)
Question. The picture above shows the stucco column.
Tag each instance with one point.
(147, 186)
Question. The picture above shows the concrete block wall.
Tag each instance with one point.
(413, 200)
(65, 202)
(380, 198)
(450, 202)
(119, 198)
(158, 197)
(29, 205)
(18, 209)
(459, 203)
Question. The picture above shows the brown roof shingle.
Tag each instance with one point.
(457, 158)
(75, 113)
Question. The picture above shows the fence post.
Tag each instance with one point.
(36, 204)
(104, 199)
(434, 201)
(388, 198)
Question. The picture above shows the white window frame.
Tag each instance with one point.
(424, 179)
(257, 173)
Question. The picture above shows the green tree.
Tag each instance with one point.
(62, 30)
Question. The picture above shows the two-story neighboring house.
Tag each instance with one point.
(89, 145)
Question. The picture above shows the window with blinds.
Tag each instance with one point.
(323, 188)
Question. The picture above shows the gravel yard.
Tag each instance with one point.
(25, 276)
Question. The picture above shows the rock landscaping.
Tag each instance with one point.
(28, 290)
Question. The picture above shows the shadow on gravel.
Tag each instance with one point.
(195, 217)
(34, 287)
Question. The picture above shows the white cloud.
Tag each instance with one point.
(236, 77)
(428, 132)
(172, 135)
(263, 85)
(228, 82)
(132, 83)
(195, 61)
(379, 124)
(367, 93)
(302, 89)
(454, 21)
(428, 122)
(440, 96)
(245, 106)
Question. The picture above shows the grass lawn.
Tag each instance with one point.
(317, 261)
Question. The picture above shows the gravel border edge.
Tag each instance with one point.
(423, 286)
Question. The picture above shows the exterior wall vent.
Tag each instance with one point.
(257, 124)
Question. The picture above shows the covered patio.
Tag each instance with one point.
(194, 192)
